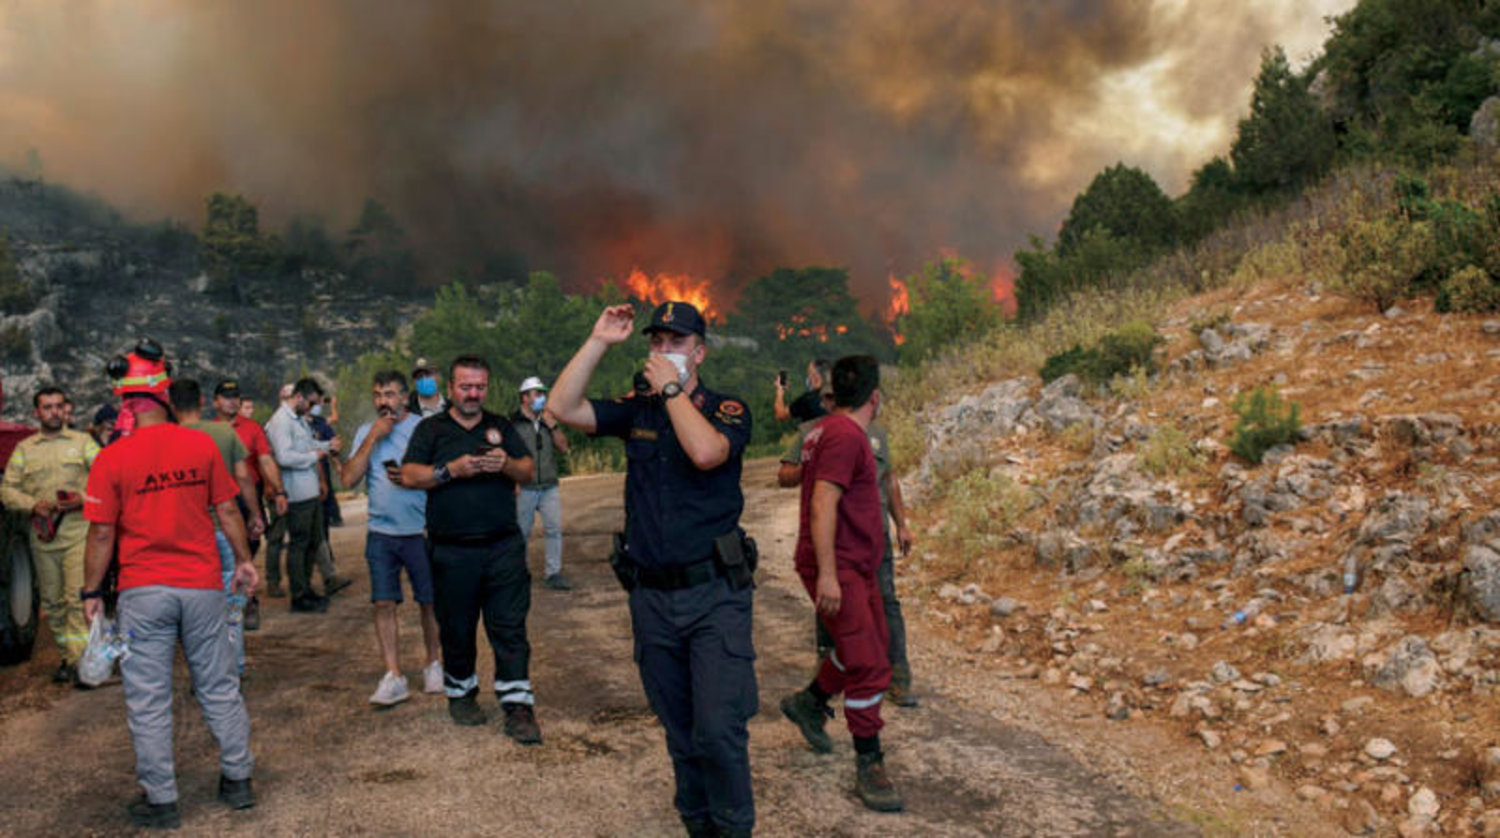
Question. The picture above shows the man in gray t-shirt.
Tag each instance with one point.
(545, 439)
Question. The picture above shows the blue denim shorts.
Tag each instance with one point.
(386, 555)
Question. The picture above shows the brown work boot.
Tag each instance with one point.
(520, 724)
(802, 709)
(873, 786)
(465, 710)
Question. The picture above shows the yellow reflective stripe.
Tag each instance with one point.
(147, 380)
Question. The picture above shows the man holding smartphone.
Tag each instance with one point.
(398, 516)
(470, 461)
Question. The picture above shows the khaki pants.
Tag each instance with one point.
(59, 576)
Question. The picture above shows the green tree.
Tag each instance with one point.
(797, 314)
(379, 257)
(1286, 141)
(1209, 202)
(949, 305)
(15, 294)
(1125, 203)
(232, 247)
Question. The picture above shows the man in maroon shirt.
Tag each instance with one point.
(840, 542)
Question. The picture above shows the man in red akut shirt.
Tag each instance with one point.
(840, 543)
(152, 495)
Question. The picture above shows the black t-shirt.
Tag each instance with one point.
(808, 406)
(483, 505)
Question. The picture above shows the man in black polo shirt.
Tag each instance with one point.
(469, 460)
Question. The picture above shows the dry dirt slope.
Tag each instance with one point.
(1120, 578)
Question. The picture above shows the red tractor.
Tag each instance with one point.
(18, 596)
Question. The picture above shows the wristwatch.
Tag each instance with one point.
(672, 390)
(441, 474)
(86, 594)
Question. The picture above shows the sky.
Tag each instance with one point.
(719, 138)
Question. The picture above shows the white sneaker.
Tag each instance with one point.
(392, 690)
(432, 678)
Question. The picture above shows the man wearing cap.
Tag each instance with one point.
(545, 439)
(685, 562)
(151, 492)
(264, 473)
(426, 398)
(45, 477)
(469, 461)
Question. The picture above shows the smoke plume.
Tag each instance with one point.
(587, 137)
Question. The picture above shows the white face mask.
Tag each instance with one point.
(316, 410)
(680, 362)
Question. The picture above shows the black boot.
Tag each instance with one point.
(154, 815)
(237, 794)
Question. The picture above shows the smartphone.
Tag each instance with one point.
(391, 464)
(781, 377)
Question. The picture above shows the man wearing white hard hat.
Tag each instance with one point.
(545, 438)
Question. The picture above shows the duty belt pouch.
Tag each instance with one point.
(729, 550)
(620, 563)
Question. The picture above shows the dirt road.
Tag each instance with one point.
(328, 764)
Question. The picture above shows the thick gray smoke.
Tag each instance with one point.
(590, 136)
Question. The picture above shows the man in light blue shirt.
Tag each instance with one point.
(397, 519)
(298, 454)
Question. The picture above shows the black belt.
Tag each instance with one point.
(468, 540)
(677, 578)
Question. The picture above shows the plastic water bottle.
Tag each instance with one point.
(237, 609)
(1351, 574)
(1243, 615)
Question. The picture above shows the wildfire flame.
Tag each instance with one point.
(899, 305)
(679, 287)
(800, 328)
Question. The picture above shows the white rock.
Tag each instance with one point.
(1423, 804)
(1381, 749)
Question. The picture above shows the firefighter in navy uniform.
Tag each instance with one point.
(683, 558)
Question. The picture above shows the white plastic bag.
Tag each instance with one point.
(105, 647)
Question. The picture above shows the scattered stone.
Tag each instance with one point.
(1081, 683)
(1156, 678)
(1361, 818)
(1255, 777)
(1211, 740)
(1312, 794)
(1410, 668)
(1380, 749)
(1117, 709)
(1313, 750)
(1423, 804)
(1187, 640)
(1491, 327)
(1357, 705)
(1223, 672)
(1004, 606)
(1271, 748)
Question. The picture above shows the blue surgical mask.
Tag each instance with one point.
(427, 387)
(538, 403)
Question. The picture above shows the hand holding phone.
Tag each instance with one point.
(781, 378)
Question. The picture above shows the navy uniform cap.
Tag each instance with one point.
(672, 316)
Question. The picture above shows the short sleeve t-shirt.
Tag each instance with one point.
(807, 407)
(483, 506)
(837, 450)
(393, 510)
(256, 443)
(231, 448)
(156, 486)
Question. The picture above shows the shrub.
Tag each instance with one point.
(983, 506)
(1169, 451)
(1121, 352)
(1469, 289)
(15, 343)
(15, 294)
(1265, 421)
(1378, 261)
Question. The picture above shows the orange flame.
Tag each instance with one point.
(679, 287)
(800, 328)
(899, 305)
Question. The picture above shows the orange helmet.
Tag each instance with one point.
(145, 371)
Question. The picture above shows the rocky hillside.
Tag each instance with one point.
(99, 282)
(1110, 545)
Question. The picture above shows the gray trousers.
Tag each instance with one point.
(156, 617)
(548, 502)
